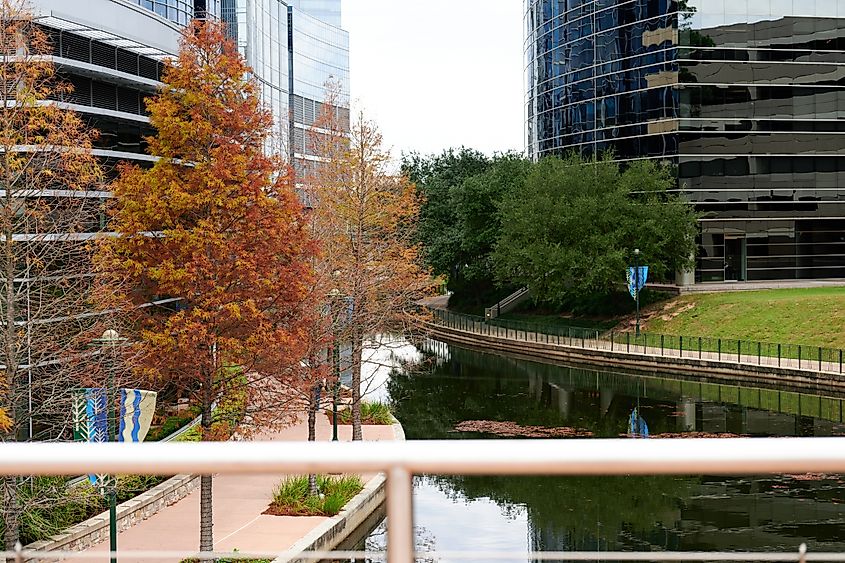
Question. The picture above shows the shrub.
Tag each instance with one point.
(168, 427)
(50, 506)
(371, 413)
(192, 435)
(130, 486)
(290, 497)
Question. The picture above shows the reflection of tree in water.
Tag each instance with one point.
(563, 512)
(570, 513)
(432, 401)
(424, 541)
(611, 513)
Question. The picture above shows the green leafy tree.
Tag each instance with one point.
(571, 230)
(476, 203)
(436, 178)
(459, 221)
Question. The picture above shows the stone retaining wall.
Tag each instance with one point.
(731, 372)
(129, 513)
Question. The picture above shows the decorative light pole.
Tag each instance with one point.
(335, 320)
(637, 287)
(110, 340)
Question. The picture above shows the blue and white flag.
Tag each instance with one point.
(137, 407)
(90, 419)
(635, 283)
(637, 427)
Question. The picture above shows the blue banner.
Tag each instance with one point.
(635, 282)
(637, 427)
(95, 426)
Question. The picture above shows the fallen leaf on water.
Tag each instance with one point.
(512, 429)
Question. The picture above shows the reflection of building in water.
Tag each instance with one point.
(749, 107)
(710, 512)
(631, 513)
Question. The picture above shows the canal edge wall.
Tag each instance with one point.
(332, 532)
(730, 372)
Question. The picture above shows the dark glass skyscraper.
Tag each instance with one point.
(745, 98)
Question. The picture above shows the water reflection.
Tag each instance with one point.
(623, 513)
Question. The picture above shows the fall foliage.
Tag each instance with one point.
(363, 217)
(50, 204)
(213, 226)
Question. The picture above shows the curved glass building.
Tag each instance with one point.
(294, 54)
(746, 98)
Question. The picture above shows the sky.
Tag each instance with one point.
(435, 74)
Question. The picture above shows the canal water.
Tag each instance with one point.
(451, 386)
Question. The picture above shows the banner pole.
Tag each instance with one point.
(637, 286)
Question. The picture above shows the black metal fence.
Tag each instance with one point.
(723, 349)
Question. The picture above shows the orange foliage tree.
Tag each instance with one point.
(213, 225)
(49, 204)
(364, 218)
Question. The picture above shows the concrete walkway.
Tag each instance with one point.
(238, 505)
(758, 285)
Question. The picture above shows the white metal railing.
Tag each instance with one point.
(402, 460)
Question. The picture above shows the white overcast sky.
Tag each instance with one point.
(436, 74)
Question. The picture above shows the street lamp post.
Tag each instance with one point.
(110, 340)
(335, 319)
(637, 287)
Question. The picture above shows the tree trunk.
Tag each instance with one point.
(11, 514)
(313, 405)
(11, 504)
(357, 353)
(206, 509)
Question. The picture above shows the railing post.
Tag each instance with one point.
(820, 358)
(778, 354)
(840, 361)
(759, 349)
(681, 341)
(611, 341)
(628, 341)
(661, 345)
(699, 347)
(719, 348)
(739, 351)
(799, 356)
(400, 516)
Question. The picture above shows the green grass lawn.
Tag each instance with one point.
(813, 316)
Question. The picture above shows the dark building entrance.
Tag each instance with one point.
(735, 259)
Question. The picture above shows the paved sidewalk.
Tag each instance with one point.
(238, 505)
(708, 287)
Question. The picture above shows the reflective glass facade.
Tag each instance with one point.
(319, 55)
(261, 29)
(293, 55)
(327, 11)
(181, 11)
(745, 97)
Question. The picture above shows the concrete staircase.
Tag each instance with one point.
(507, 304)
